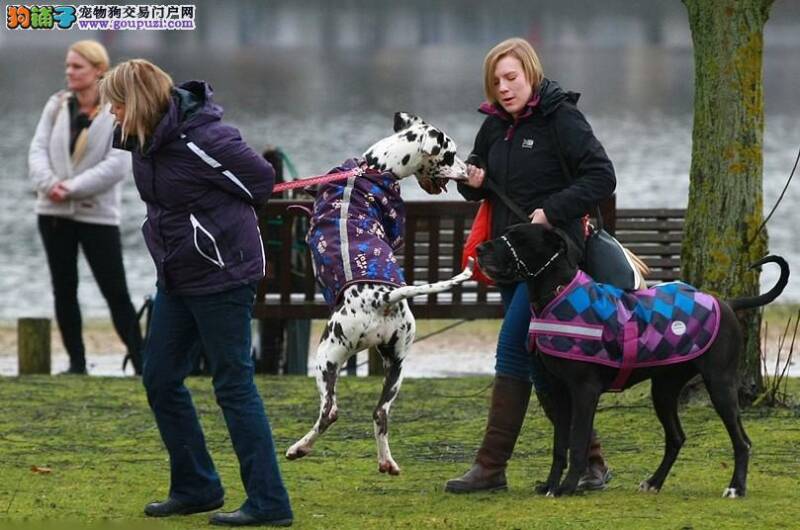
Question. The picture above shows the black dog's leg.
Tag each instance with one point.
(563, 411)
(722, 392)
(665, 392)
(741, 428)
(584, 397)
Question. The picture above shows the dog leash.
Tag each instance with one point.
(320, 179)
(323, 179)
(490, 185)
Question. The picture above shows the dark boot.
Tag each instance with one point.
(510, 399)
(597, 473)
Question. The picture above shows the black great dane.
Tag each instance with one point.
(593, 338)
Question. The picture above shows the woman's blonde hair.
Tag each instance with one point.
(92, 51)
(514, 47)
(144, 89)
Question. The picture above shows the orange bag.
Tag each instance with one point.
(481, 231)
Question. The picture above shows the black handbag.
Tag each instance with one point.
(604, 259)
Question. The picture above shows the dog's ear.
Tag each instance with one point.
(567, 244)
(404, 120)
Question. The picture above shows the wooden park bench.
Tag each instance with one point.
(434, 239)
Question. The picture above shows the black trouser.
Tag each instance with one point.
(102, 247)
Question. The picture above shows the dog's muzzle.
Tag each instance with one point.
(520, 266)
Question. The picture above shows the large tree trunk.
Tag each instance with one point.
(725, 206)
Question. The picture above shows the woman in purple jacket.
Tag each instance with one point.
(200, 183)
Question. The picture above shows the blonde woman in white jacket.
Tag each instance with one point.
(77, 176)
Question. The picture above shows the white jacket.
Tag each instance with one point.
(94, 183)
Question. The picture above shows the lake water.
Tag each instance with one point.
(323, 83)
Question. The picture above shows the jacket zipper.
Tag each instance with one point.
(160, 215)
(510, 140)
(197, 226)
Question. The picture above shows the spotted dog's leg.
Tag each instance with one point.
(332, 352)
(393, 351)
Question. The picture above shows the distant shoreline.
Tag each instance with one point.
(465, 350)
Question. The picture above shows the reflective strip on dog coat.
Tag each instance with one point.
(356, 227)
(593, 322)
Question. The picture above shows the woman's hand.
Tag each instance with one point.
(58, 193)
(538, 217)
(475, 176)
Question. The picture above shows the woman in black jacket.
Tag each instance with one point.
(529, 120)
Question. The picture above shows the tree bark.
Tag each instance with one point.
(725, 206)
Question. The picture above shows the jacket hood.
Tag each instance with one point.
(190, 106)
(548, 98)
(551, 96)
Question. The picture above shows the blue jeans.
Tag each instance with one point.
(222, 321)
(513, 358)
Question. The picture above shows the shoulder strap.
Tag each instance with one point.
(489, 184)
(551, 125)
(506, 199)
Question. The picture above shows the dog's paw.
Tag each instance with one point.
(332, 415)
(389, 466)
(543, 488)
(645, 486)
(564, 490)
(297, 451)
(731, 493)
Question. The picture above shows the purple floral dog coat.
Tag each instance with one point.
(356, 227)
(594, 322)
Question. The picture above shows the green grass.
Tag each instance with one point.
(99, 439)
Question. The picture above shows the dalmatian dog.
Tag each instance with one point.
(356, 228)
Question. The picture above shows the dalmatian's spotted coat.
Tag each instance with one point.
(376, 316)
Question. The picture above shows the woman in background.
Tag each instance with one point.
(77, 176)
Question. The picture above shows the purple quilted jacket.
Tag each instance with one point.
(200, 182)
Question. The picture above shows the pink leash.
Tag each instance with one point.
(322, 179)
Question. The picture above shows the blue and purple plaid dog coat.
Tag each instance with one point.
(598, 323)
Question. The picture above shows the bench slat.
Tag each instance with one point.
(409, 248)
(433, 257)
(637, 237)
(458, 244)
(650, 213)
(644, 249)
(649, 225)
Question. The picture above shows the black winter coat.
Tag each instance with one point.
(521, 158)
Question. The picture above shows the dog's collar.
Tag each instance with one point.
(520, 265)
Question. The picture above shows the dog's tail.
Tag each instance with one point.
(769, 296)
(409, 291)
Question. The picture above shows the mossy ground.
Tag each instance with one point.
(100, 441)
